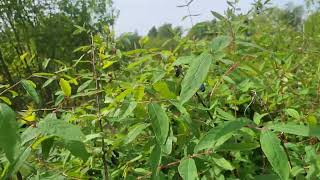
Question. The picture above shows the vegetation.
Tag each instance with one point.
(237, 97)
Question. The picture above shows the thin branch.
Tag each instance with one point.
(185, 5)
(16, 84)
(204, 105)
(98, 87)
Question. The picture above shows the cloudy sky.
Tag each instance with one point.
(141, 15)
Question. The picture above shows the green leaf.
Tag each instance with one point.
(134, 132)
(6, 100)
(162, 88)
(299, 130)
(267, 177)
(183, 60)
(238, 146)
(293, 113)
(84, 85)
(225, 115)
(59, 99)
(53, 126)
(217, 15)
(188, 169)
(29, 134)
(209, 140)
(248, 44)
(46, 146)
(65, 87)
(167, 147)
(155, 159)
(70, 134)
(18, 162)
(132, 105)
(107, 64)
(257, 117)
(77, 148)
(270, 145)
(49, 81)
(195, 76)
(186, 118)
(45, 63)
(29, 87)
(159, 121)
(9, 138)
(139, 62)
(312, 120)
(219, 43)
(222, 162)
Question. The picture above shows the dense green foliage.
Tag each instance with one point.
(237, 97)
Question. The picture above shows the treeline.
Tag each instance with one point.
(234, 97)
(33, 32)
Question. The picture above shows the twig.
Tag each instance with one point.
(187, 4)
(96, 78)
(282, 138)
(16, 84)
(204, 105)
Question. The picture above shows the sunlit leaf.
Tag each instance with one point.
(162, 88)
(6, 100)
(65, 87)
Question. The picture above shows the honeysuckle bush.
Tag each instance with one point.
(242, 103)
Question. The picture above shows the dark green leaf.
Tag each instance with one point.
(238, 146)
(77, 148)
(46, 146)
(270, 145)
(217, 15)
(28, 86)
(155, 160)
(209, 140)
(159, 121)
(195, 76)
(9, 138)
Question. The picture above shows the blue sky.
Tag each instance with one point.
(141, 15)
